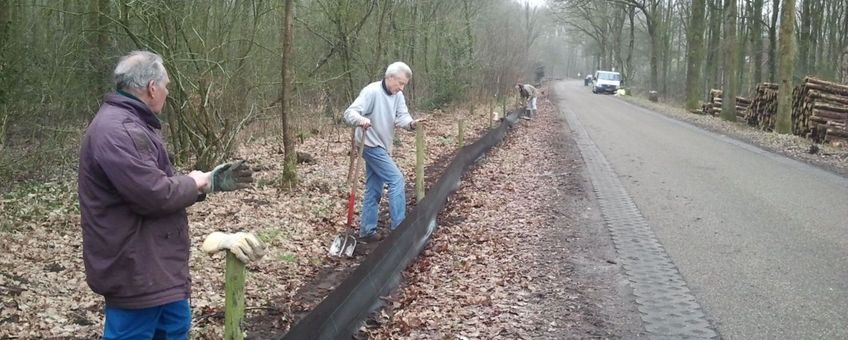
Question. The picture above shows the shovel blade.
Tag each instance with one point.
(343, 245)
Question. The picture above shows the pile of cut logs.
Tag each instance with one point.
(713, 107)
(820, 110)
(742, 105)
(763, 108)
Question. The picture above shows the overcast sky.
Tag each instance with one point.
(534, 3)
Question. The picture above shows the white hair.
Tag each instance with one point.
(137, 69)
(397, 68)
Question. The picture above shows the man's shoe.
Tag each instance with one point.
(370, 238)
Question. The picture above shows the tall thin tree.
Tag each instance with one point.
(772, 59)
(731, 62)
(696, 54)
(783, 122)
(757, 40)
(289, 176)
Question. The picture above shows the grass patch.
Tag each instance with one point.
(33, 204)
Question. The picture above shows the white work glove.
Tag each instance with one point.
(244, 246)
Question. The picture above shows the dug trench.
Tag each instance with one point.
(521, 252)
(279, 317)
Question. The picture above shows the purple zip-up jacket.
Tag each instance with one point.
(134, 226)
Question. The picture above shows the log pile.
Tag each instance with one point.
(713, 107)
(742, 105)
(820, 110)
(763, 108)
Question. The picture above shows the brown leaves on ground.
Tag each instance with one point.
(488, 272)
(42, 280)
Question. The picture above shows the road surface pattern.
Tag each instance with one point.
(714, 234)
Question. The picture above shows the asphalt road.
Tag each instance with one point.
(761, 240)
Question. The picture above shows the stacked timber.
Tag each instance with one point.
(742, 105)
(763, 107)
(713, 106)
(820, 110)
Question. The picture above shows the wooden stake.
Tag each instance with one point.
(419, 163)
(234, 300)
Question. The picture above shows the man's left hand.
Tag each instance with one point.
(414, 123)
(230, 176)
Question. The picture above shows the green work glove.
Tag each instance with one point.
(229, 176)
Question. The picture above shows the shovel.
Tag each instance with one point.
(345, 242)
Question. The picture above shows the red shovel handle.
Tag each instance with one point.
(350, 202)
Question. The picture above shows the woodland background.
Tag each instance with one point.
(225, 61)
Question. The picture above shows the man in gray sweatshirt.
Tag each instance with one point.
(380, 108)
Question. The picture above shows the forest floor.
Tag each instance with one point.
(42, 281)
(830, 157)
(519, 253)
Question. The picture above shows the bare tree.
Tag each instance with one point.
(783, 123)
(696, 54)
(757, 40)
(651, 10)
(711, 70)
(289, 175)
(772, 33)
(731, 64)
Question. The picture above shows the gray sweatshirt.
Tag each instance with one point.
(385, 112)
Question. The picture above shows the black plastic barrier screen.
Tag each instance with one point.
(347, 306)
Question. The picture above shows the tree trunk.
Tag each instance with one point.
(741, 46)
(654, 62)
(731, 62)
(666, 38)
(377, 67)
(412, 50)
(713, 55)
(100, 44)
(772, 60)
(802, 62)
(631, 13)
(757, 40)
(696, 54)
(289, 176)
(787, 63)
(845, 66)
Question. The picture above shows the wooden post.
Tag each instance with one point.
(503, 106)
(460, 138)
(491, 108)
(419, 163)
(234, 299)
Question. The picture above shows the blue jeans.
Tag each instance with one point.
(381, 170)
(169, 321)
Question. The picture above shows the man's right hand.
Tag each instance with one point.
(201, 179)
(365, 123)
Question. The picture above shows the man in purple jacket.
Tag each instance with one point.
(135, 229)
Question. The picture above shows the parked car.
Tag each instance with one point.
(606, 82)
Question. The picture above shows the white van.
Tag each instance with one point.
(606, 81)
